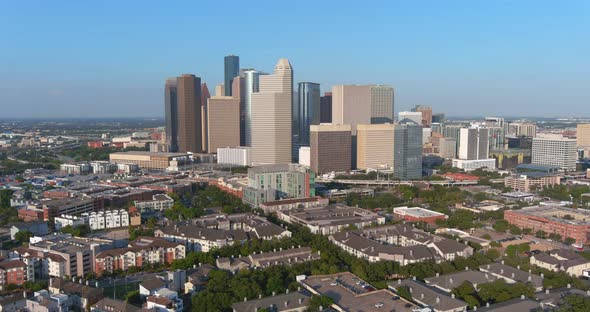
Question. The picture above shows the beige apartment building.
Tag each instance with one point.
(271, 116)
(375, 146)
(330, 148)
(223, 120)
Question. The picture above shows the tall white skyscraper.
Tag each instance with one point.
(474, 143)
(271, 116)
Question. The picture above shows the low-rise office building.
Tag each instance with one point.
(417, 214)
(529, 181)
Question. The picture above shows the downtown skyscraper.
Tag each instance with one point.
(249, 84)
(407, 150)
(231, 65)
(188, 95)
(171, 114)
(271, 116)
(306, 112)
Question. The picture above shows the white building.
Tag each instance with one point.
(73, 221)
(103, 167)
(413, 116)
(107, 220)
(159, 202)
(555, 151)
(75, 168)
(165, 300)
(469, 165)
(305, 156)
(235, 156)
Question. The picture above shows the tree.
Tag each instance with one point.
(575, 303)
(5, 196)
(23, 236)
(404, 292)
(320, 301)
(541, 234)
(500, 225)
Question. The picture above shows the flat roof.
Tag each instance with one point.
(417, 212)
(347, 292)
(153, 154)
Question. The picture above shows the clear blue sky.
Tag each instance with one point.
(111, 58)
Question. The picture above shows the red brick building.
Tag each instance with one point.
(95, 144)
(139, 252)
(30, 214)
(566, 222)
(12, 272)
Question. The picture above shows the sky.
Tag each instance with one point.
(464, 58)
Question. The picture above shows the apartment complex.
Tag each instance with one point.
(159, 202)
(143, 250)
(330, 148)
(263, 260)
(566, 222)
(527, 181)
(235, 156)
(555, 151)
(375, 145)
(271, 182)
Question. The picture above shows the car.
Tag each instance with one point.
(378, 304)
(333, 284)
(395, 298)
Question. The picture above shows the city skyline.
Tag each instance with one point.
(472, 58)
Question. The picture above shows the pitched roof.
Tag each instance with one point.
(513, 305)
(429, 296)
(152, 283)
(454, 280)
(112, 305)
(282, 302)
(513, 274)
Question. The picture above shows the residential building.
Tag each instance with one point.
(165, 300)
(326, 108)
(417, 214)
(289, 302)
(450, 281)
(37, 228)
(250, 83)
(231, 70)
(113, 305)
(347, 294)
(141, 251)
(555, 151)
(110, 219)
(407, 157)
(513, 275)
(583, 135)
(12, 272)
(426, 114)
(271, 116)
(375, 146)
(413, 116)
(306, 112)
(295, 203)
(159, 202)
(75, 296)
(331, 219)
(529, 181)
(330, 148)
(271, 182)
(234, 156)
(75, 169)
(566, 222)
(215, 231)
(171, 114)
(562, 260)
(262, 260)
(429, 297)
(382, 104)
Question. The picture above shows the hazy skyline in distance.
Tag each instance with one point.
(463, 58)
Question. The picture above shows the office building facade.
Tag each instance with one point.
(189, 113)
(250, 83)
(351, 105)
(223, 113)
(407, 151)
(583, 135)
(171, 114)
(330, 148)
(231, 65)
(474, 143)
(306, 112)
(375, 146)
(555, 151)
(271, 116)
(382, 104)
(326, 108)
(426, 114)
